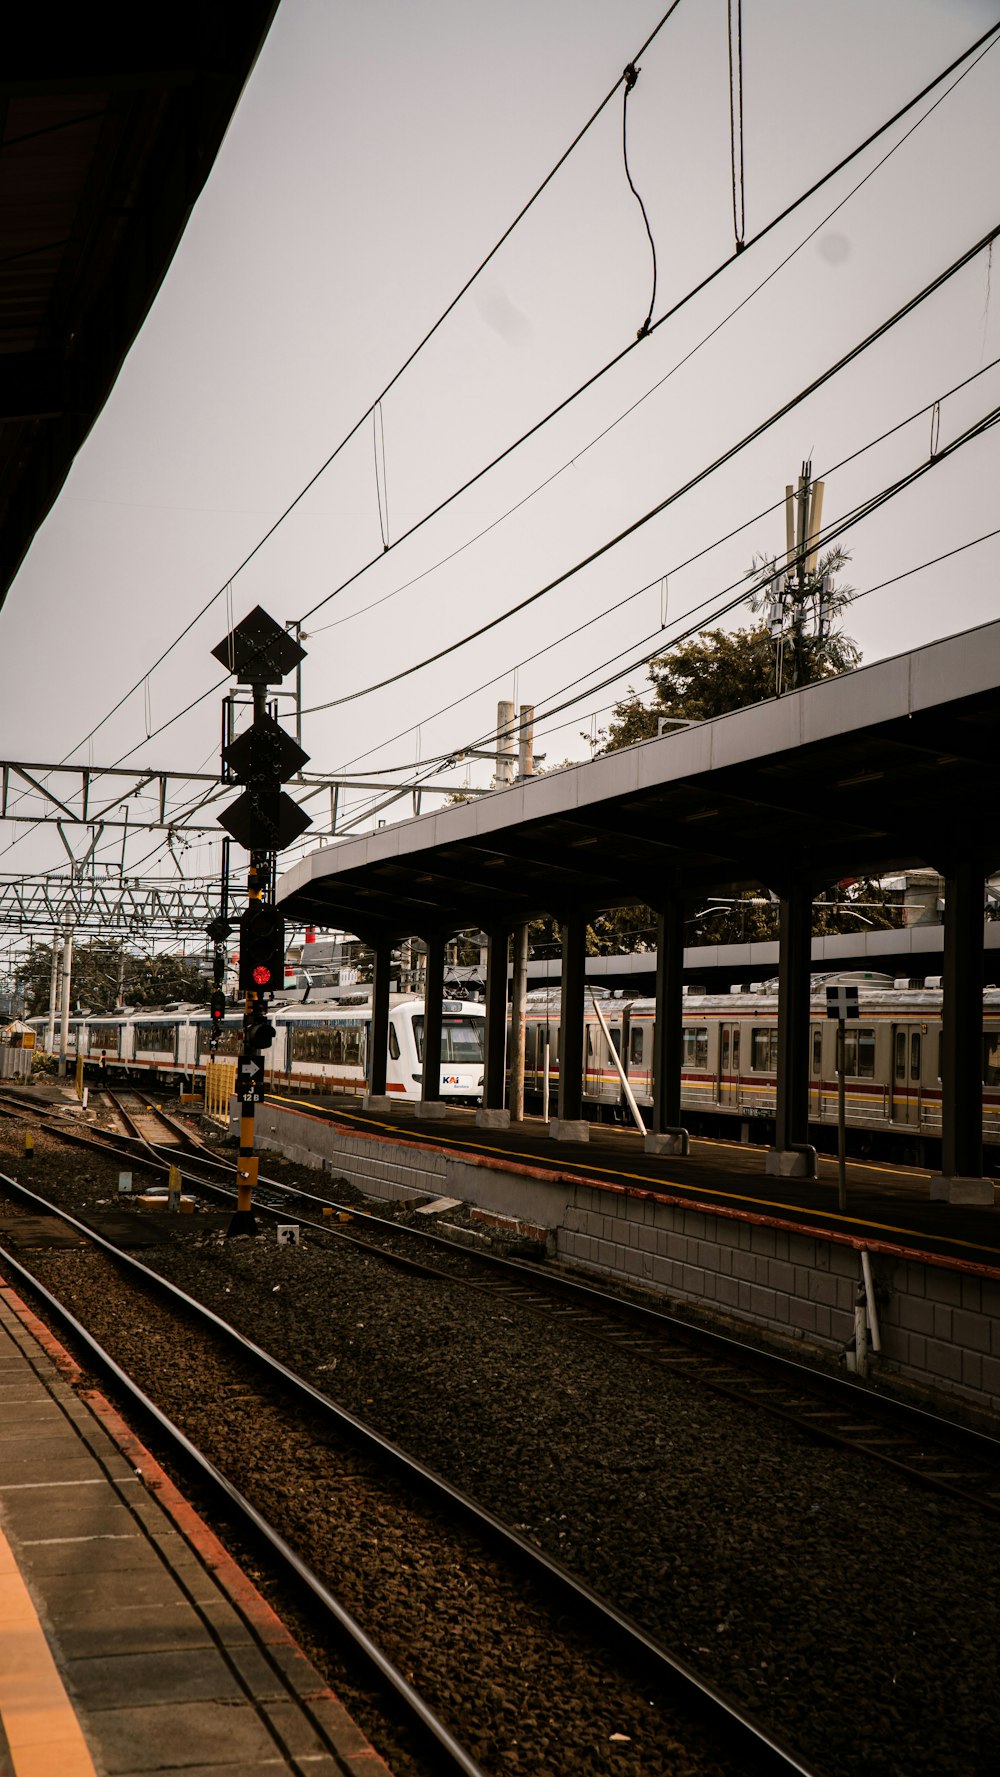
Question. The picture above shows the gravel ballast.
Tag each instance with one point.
(855, 1614)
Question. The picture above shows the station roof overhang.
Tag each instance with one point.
(110, 122)
(882, 769)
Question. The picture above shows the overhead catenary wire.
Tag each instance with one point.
(631, 76)
(688, 561)
(742, 592)
(662, 505)
(581, 451)
(408, 360)
(736, 123)
(981, 44)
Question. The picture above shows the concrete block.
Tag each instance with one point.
(432, 1110)
(972, 1370)
(378, 1102)
(675, 1143)
(790, 1162)
(916, 1315)
(569, 1129)
(961, 1190)
(492, 1119)
(944, 1360)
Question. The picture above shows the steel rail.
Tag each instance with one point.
(759, 1750)
(848, 1397)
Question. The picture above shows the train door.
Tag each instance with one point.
(729, 1063)
(906, 1060)
(640, 1059)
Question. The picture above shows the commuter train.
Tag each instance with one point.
(317, 1047)
(892, 1055)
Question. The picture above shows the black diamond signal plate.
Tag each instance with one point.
(264, 822)
(264, 754)
(258, 651)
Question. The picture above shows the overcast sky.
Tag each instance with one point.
(380, 149)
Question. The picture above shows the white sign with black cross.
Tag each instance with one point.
(842, 1002)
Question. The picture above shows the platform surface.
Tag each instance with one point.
(130, 1642)
(886, 1204)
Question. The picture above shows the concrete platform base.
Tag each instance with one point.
(432, 1110)
(379, 1102)
(569, 1129)
(790, 1162)
(673, 1141)
(961, 1190)
(492, 1119)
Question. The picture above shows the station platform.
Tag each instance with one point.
(887, 1206)
(130, 1641)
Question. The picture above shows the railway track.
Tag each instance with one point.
(951, 1459)
(528, 1617)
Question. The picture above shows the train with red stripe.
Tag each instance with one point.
(729, 1071)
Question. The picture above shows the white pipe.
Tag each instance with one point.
(616, 1058)
(545, 1083)
(866, 1266)
(860, 1337)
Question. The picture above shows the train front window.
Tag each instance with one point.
(461, 1037)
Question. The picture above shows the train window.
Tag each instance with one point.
(817, 1048)
(991, 1058)
(915, 1055)
(461, 1037)
(230, 1038)
(103, 1039)
(724, 1050)
(736, 1048)
(393, 1043)
(616, 1038)
(530, 1033)
(764, 1050)
(590, 1042)
(635, 1044)
(859, 1054)
(696, 1046)
(900, 1062)
(155, 1039)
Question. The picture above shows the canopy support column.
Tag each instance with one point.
(667, 1135)
(492, 1115)
(570, 1125)
(376, 1098)
(791, 1155)
(960, 1179)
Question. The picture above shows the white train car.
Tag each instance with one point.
(318, 1046)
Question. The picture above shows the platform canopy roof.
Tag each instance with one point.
(110, 121)
(884, 768)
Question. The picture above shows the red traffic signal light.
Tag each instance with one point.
(217, 1007)
(262, 949)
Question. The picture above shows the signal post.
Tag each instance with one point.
(263, 820)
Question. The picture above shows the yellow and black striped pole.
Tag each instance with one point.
(244, 1221)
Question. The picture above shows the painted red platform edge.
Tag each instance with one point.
(918, 1255)
(238, 1587)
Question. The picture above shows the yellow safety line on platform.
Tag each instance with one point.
(643, 1179)
(39, 1722)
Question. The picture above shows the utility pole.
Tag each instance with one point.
(519, 983)
(67, 982)
(50, 1033)
(796, 585)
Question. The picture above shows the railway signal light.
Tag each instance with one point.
(217, 1008)
(262, 949)
(264, 819)
(258, 1032)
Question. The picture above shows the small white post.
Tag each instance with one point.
(545, 1082)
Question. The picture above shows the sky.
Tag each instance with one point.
(380, 150)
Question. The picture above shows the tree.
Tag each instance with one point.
(724, 670)
(105, 974)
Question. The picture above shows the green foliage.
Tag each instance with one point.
(106, 974)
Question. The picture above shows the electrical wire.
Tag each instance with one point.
(571, 462)
(741, 589)
(984, 43)
(678, 567)
(394, 379)
(736, 123)
(631, 76)
(678, 493)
